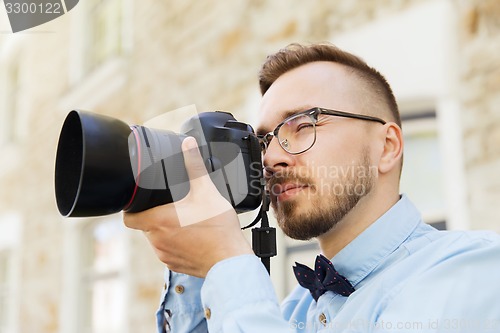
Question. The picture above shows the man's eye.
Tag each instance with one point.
(304, 126)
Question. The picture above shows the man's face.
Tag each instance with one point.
(312, 191)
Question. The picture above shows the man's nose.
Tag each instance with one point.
(276, 158)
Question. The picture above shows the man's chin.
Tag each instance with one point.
(293, 208)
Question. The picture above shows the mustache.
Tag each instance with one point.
(276, 182)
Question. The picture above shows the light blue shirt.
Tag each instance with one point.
(408, 276)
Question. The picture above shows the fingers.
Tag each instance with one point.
(135, 221)
(151, 218)
(195, 166)
(202, 202)
(148, 219)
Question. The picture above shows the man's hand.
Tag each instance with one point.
(193, 234)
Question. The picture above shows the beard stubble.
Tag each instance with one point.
(329, 202)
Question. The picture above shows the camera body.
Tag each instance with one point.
(104, 166)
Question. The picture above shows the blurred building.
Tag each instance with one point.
(135, 60)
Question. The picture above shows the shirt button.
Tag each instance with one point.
(208, 313)
(179, 289)
(322, 319)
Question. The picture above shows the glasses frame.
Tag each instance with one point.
(313, 113)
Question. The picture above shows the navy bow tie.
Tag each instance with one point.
(322, 279)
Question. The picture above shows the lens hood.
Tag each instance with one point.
(93, 174)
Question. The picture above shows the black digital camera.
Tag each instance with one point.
(104, 166)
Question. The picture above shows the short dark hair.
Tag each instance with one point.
(296, 55)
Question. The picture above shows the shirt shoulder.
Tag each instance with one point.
(446, 244)
(454, 277)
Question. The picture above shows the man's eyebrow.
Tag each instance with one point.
(263, 131)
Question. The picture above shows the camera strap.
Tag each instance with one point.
(263, 237)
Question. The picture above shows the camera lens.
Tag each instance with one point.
(69, 168)
(93, 175)
(104, 166)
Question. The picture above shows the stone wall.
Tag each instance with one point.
(480, 98)
(204, 53)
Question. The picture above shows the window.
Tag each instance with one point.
(422, 169)
(5, 289)
(103, 36)
(103, 284)
(10, 109)
(10, 235)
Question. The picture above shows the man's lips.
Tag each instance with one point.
(284, 191)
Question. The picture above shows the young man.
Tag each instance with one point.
(332, 153)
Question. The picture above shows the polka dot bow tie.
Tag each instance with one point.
(322, 279)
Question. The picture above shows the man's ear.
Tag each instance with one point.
(393, 148)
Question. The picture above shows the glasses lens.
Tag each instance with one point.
(264, 141)
(297, 134)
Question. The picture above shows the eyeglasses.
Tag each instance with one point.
(297, 134)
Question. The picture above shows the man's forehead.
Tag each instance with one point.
(317, 84)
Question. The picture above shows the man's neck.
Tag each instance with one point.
(367, 211)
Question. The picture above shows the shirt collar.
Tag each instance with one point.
(381, 238)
